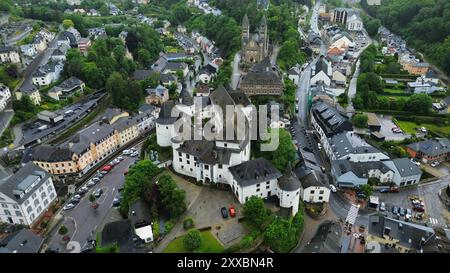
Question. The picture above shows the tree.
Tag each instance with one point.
(138, 182)
(285, 152)
(279, 235)
(125, 94)
(255, 211)
(63, 230)
(91, 198)
(172, 198)
(67, 23)
(419, 103)
(372, 27)
(367, 189)
(360, 120)
(104, 11)
(192, 240)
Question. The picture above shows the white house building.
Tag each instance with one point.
(313, 190)
(321, 72)
(26, 195)
(9, 55)
(294, 74)
(28, 50)
(5, 94)
(354, 23)
(47, 74)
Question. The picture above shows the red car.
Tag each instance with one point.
(419, 208)
(106, 168)
(232, 211)
(395, 189)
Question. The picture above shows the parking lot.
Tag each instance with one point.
(386, 129)
(82, 220)
(435, 213)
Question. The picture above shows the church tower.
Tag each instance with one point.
(264, 37)
(245, 31)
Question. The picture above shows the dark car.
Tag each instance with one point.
(224, 212)
(418, 208)
(384, 190)
(116, 201)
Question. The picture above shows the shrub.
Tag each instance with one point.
(192, 240)
(63, 230)
(168, 226)
(188, 223)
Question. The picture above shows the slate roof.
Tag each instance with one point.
(330, 119)
(175, 66)
(254, 172)
(19, 182)
(430, 74)
(311, 179)
(124, 123)
(326, 240)
(165, 115)
(50, 153)
(186, 98)
(410, 235)
(167, 77)
(431, 147)
(289, 182)
(139, 214)
(120, 232)
(321, 65)
(206, 152)
(208, 69)
(360, 169)
(406, 168)
(23, 241)
(347, 143)
(6, 49)
(261, 73)
(141, 74)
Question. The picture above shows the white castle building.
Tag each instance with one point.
(222, 161)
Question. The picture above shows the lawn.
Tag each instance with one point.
(209, 245)
(394, 91)
(408, 127)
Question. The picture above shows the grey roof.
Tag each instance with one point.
(406, 168)
(431, 147)
(186, 98)
(206, 152)
(23, 241)
(147, 108)
(326, 240)
(139, 214)
(346, 143)
(120, 232)
(6, 49)
(430, 74)
(254, 172)
(410, 235)
(446, 100)
(19, 183)
(158, 91)
(321, 65)
(167, 77)
(165, 115)
(70, 83)
(311, 179)
(175, 66)
(124, 123)
(262, 73)
(360, 169)
(50, 153)
(330, 119)
(208, 69)
(110, 113)
(141, 74)
(289, 182)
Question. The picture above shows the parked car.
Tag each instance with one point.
(126, 152)
(402, 211)
(106, 168)
(116, 200)
(104, 172)
(418, 208)
(394, 189)
(69, 206)
(434, 164)
(96, 179)
(120, 158)
(333, 188)
(74, 200)
(224, 212)
(78, 196)
(85, 188)
(408, 214)
(100, 175)
(384, 190)
(382, 206)
(98, 193)
(90, 183)
(134, 154)
(232, 211)
(395, 210)
(81, 192)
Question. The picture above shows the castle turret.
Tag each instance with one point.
(245, 29)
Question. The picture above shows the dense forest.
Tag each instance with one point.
(425, 24)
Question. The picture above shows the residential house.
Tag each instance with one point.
(347, 173)
(313, 189)
(83, 45)
(33, 93)
(72, 35)
(96, 33)
(5, 94)
(28, 50)
(9, 55)
(354, 23)
(342, 41)
(59, 54)
(423, 87)
(430, 150)
(127, 129)
(39, 43)
(207, 73)
(26, 195)
(294, 74)
(67, 88)
(321, 72)
(47, 74)
(173, 67)
(349, 146)
(167, 79)
(339, 78)
(142, 74)
(157, 96)
(416, 68)
(405, 172)
(430, 77)
(203, 90)
(141, 221)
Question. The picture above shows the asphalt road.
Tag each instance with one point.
(236, 74)
(85, 219)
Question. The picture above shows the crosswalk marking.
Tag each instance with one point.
(434, 221)
(352, 214)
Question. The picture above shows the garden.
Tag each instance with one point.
(195, 241)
